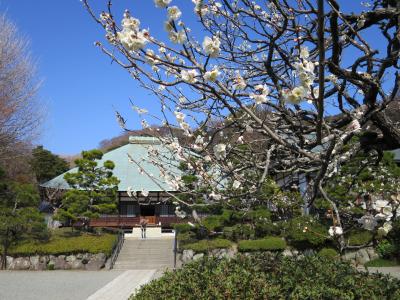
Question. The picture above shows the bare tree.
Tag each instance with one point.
(20, 112)
(312, 66)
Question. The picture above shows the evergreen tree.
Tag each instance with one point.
(19, 215)
(94, 189)
(46, 165)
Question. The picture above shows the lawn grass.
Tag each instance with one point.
(380, 262)
(65, 241)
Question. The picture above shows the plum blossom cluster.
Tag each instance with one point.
(131, 37)
(305, 71)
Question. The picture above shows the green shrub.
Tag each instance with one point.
(267, 228)
(359, 238)
(315, 235)
(260, 277)
(385, 249)
(207, 245)
(379, 262)
(239, 232)
(182, 227)
(328, 253)
(213, 223)
(259, 214)
(62, 242)
(186, 238)
(266, 244)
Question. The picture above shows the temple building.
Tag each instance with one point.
(156, 206)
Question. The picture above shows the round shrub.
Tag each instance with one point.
(266, 244)
(359, 238)
(306, 232)
(328, 253)
(385, 249)
(260, 277)
(182, 227)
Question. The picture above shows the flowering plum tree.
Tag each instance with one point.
(271, 89)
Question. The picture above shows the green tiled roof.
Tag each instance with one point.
(129, 173)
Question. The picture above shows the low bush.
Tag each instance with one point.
(266, 244)
(380, 262)
(64, 242)
(182, 227)
(213, 223)
(267, 228)
(386, 249)
(306, 232)
(207, 245)
(359, 238)
(328, 253)
(239, 232)
(260, 277)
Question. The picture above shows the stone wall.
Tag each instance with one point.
(358, 257)
(82, 261)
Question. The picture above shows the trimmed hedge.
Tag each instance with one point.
(359, 238)
(266, 244)
(67, 243)
(328, 253)
(207, 245)
(260, 277)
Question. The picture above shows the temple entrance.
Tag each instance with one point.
(149, 213)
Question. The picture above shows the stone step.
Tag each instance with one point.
(146, 254)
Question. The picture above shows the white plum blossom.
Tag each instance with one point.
(236, 184)
(189, 76)
(129, 22)
(263, 96)
(220, 151)
(215, 196)
(296, 95)
(368, 222)
(130, 192)
(385, 229)
(177, 37)
(335, 230)
(162, 3)
(211, 46)
(180, 117)
(174, 13)
(239, 83)
(132, 40)
(258, 98)
(144, 193)
(212, 75)
(304, 54)
(180, 213)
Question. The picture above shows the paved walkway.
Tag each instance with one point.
(53, 285)
(393, 271)
(124, 285)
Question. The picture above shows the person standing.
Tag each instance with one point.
(143, 225)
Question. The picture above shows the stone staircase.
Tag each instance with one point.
(146, 254)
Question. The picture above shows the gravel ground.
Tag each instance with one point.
(52, 285)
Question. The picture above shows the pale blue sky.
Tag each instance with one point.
(80, 85)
